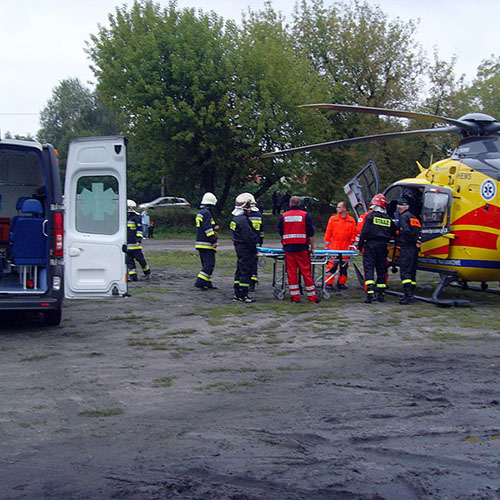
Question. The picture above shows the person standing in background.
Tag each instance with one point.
(206, 241)
(340, 235)
(145, 220)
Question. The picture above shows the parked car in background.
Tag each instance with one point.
(166, 202)
(308, 202)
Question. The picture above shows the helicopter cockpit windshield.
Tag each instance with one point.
(474, 146)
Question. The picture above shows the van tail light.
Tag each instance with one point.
(58, 234)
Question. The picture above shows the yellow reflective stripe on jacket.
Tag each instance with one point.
(204, 245)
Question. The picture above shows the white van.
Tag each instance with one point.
(54, 246)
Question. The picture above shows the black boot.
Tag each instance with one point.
(408, 298)
(380, 296)
(370, 294)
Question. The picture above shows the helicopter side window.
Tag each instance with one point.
(435, 208)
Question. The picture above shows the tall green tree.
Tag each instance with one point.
(200, 97)
(73, 111)
(484, 92)
(167, 73)
(365, 59)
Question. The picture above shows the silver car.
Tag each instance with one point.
(166, 202)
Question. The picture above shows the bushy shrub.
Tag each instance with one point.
(166, 220)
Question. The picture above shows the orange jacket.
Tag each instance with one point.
(359, 225)
(340, 232)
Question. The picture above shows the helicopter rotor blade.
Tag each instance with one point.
(468, 126)
(367, 138)
(492, 128)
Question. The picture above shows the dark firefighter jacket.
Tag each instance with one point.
(134, 231)
(243, 232)
(410, 229)
(377, 226)
(257, 222)
(206, 229)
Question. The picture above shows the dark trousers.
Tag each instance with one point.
(408, 262)
(207, 258)
(244, 269)
(374, 260)
(136, 255)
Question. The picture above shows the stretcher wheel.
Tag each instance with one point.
(326, 294)
(279, 294)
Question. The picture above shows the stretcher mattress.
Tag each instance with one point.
(280, 251)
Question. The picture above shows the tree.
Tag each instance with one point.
(484, 92)
(365, 59)
(201, 98)
(73, 111)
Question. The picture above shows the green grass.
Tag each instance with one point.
(190, 259)
(442, 336)
(101, 412)
(130, 318)
(38, 357)
(163, 382)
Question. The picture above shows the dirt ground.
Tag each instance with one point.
(175, 393)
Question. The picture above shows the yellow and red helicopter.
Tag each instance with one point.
(457, 198)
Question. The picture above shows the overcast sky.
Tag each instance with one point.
(42, 41)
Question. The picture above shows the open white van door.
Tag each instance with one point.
(95, 220)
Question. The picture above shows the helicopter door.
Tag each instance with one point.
(362, 188)
(95, 220)
(436, 235)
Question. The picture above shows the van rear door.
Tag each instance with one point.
(95, 221)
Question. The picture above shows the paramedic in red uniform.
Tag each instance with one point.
(340, 235)
(296, 229)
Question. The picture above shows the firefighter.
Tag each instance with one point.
(296, 229)
(410, 241)
(245, 241)
(134, 243)
(257, 221)
(340, 235)
(206, 241)
(378, 229)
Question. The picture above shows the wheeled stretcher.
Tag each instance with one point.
(319, 262)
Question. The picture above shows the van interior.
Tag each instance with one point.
(24, 242)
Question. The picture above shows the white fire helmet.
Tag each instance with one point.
(244, 201)
(131, 206)
(209, 199)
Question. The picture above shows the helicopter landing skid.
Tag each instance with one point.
(481, 288)
(446, 279)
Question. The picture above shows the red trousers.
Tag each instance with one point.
(300, 261)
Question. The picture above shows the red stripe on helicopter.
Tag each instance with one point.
(485, 217)
(444, 250)
(477, 239)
